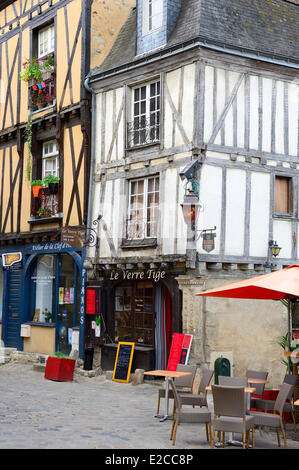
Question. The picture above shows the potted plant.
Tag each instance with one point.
(60, 368)
(40, 101)
(48, 316)
(48, 67)
(36, 186)
(51, 182)
(41, 211)
(32, 72)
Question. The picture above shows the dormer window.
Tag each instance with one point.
(152, 13)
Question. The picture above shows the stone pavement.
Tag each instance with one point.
(92, 413)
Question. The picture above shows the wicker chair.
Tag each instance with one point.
(181, 382)
(230, 413)
(200, 398)
(274, 420)
(190, 415)
(268, 405)
(259, 388)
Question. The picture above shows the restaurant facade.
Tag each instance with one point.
(182, 110)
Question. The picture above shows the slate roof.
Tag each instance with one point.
(269, 27)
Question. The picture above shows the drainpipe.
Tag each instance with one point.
(92, 153)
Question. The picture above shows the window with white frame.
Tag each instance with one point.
(50, 159)
(143, 208)
(152, 15)
(145, 126)
(46, 41)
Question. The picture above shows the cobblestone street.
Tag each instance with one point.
(92, 413)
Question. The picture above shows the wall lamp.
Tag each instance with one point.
(275, 249)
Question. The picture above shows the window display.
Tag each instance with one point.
(134, 313)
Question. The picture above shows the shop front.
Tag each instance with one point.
(44, 298)
(143, 307)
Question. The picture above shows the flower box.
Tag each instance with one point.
(60, 369)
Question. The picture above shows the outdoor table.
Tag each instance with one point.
(167, 374)
(255, 381)
(231, 441)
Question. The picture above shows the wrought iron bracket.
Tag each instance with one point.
(92, 239)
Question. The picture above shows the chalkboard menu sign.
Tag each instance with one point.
(123, 362)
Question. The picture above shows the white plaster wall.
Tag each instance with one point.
(211, 196)
(279, 118)
(282, 233)
(208, 120)
(254, 112)
(168, 214)
(267, 109)
(235, 211)
(293, 95)
(188, 102)
(259, 214)
(220, 98)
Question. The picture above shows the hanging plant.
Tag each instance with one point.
(28, 137)
(32, 70)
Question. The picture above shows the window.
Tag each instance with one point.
(143, 208)
(46, 41)
(50, 159)
(134, 313)
(152, 15)
(145, 127)
(283, 195)
(56, 303)
(42, 88)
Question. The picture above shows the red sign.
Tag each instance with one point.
(180, 349)
(90, 301)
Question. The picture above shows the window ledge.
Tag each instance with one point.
(46, 108)
(142, 243)
(45, 220)
(283, 215)
(33, 323)
(142, 146)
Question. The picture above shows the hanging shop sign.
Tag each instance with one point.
(179, 351)
(12, 261)
(73, 236)
(137, 275)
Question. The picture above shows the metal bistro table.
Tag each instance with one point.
(167, 374)
(231, 441)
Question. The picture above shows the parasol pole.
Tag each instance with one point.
(289, 334)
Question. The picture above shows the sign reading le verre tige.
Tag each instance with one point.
(73, 236)
(12, 261)
(137, 275)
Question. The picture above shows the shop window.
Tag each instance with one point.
(56, 303)
(43, 284)
(152, 15)
(283, 191)
(143, 208)
(145, 125)
(68, 304)
(1, 294)
(134, 313)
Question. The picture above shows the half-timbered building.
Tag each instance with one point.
(200, 95)
(46, 48)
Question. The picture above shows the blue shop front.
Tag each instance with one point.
(42, 294)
